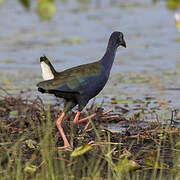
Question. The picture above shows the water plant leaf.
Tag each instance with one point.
(79, 9)
(30, 169)
(114, 101)
(25, 3)
(126, 154)
(126, 165)
(81, 150)
(128, 5)
(178, 39)
(151, 160)
(7, 81)
(73, 40)
(64, 1)
(46, 9)
(83, 1)
(13, 114)
(173, 4)
(31, 144)
(155, 164)
(125, 101)
(178, 144)
(7, 61)
(5, 143)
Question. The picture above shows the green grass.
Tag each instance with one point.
(30, 147)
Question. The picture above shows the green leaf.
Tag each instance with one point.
(46, 9)
(81, 150)
(178, 39)
(30, 169)
(173, 4)
(125, 154)
(13, 114)
(7, 81)
(31, 144)
(126, 166)
(80, 9)
(154, 164)
(178, 144)
(114, 101)
(83, 1)
(125, 101)
(72, 40)
(25, 3)
(149, 162)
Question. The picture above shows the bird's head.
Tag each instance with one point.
(117, 39)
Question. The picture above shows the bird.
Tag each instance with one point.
(79, 84)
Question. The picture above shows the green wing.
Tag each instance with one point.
(73, 79)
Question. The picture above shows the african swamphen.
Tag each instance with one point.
(79, 84)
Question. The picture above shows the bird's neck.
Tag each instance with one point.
(108, 58)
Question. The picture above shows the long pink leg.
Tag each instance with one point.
(77, 121)
(58, 124)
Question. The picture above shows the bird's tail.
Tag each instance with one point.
(48, 71)
(47, 61)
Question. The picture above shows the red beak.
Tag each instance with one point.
(123, 43)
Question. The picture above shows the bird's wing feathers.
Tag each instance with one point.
(73, 80)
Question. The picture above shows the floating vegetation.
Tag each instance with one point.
(126, 165)
(7, 61)
(147, 77)
(173, 4)
(81, 150)
(128, 4)
(25, 3)
(80, 9)
(30, 143)
(73, 40)
(46, 9)
(83, 1)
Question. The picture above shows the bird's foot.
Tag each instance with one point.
(77, 121)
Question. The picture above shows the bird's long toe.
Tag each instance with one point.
(78, 121)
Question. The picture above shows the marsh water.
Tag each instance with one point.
(78, 34)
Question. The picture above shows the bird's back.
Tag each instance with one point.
(85, 80)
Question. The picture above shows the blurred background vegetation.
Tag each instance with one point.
(47, 8)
